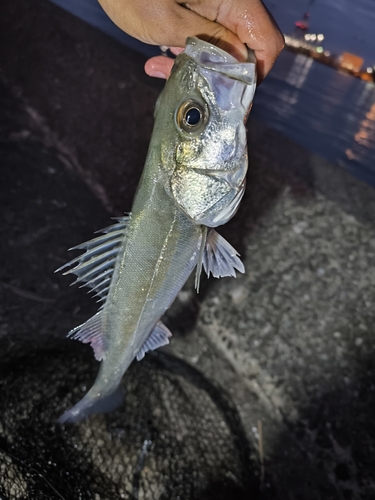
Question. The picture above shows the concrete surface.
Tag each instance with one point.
(291, 341)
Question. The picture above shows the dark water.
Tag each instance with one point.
(327, 112)
(347, 26)
(91, 12)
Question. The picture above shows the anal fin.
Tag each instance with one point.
(202, 250)
(159, 337)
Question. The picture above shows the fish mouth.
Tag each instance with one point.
(224, 72)
(213, 58)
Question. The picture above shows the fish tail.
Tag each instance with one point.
(104, 396)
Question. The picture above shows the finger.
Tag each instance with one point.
(165, 22)
(187, 23)
(176, 50)
(159, 67)
(255, 27)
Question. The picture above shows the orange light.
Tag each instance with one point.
(351, 61)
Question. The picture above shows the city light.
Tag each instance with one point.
(313, 38)
(310, 45)
(346, 62)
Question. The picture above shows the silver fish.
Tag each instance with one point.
(193, 181)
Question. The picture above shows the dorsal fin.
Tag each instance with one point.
(157, 338)
(95, 267)
(220, 258)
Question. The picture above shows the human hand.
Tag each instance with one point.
(232, 25)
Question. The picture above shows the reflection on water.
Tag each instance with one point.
(364, 140)
(365, 134)
(299, 71)
(295, 78)
(327, 112)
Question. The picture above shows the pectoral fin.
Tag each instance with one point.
(157, 338)
(198, 270)
(220, 258)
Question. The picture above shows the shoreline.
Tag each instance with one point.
(298, 46)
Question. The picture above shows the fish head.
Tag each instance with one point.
(206, 102)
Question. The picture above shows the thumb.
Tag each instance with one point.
(184, 23)
(165, 22)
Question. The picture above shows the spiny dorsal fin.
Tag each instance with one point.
(220, 258)
(95, 267)
(157, 338)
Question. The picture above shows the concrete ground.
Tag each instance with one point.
(291, 342)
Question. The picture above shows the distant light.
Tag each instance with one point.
(301, 25)
(313, 37)
(320, 38)
(319, 49)
(349, 153)
(327, 53)
(370, 70)
(307, 37)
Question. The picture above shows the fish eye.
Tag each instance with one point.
(191, 116)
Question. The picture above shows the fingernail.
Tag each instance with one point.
(176, 50)
(157, 74)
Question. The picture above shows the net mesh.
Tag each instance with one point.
(177, 436)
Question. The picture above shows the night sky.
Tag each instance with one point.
(348, 25)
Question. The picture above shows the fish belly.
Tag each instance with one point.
(159, 254)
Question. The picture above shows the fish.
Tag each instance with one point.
(192, 182)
